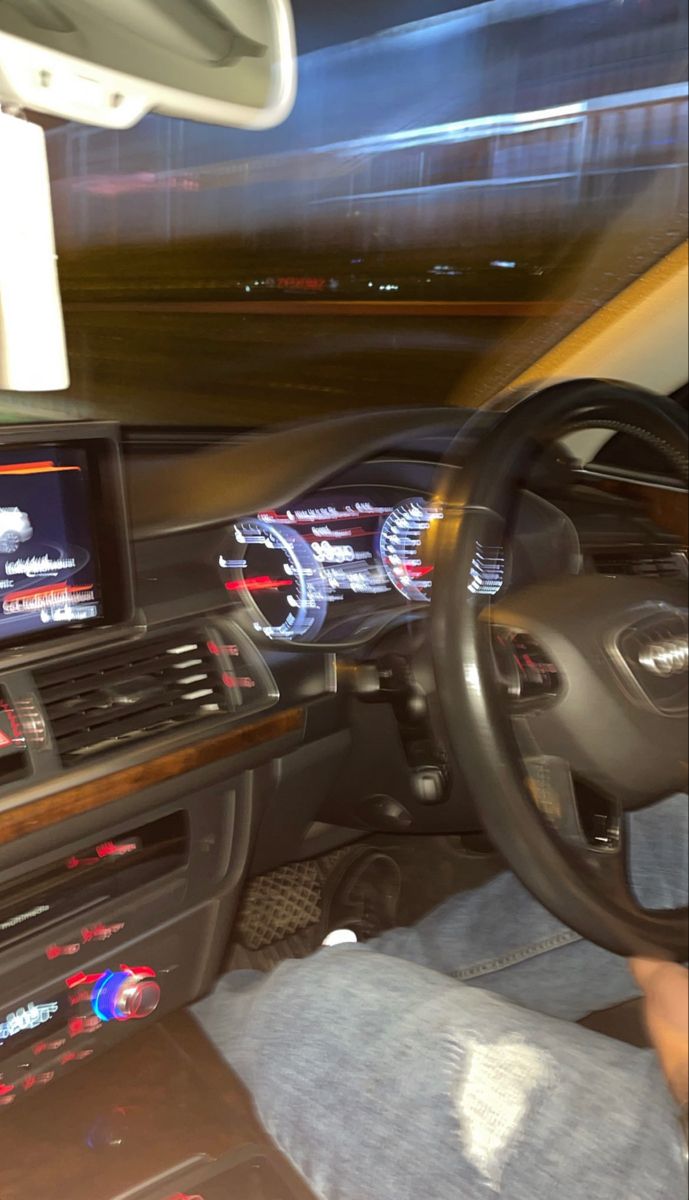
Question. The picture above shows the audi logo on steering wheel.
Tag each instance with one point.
(669, 656)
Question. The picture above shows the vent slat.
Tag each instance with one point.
(649, 562)
(129, 693)
(127, 717)
(69, 686)
(155, 721)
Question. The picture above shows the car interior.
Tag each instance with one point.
(243, 668)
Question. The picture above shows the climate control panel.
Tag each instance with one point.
(100, 935)
(43, 1036)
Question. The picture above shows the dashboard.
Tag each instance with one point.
(187, 642)
(338, 566)
(321, 568)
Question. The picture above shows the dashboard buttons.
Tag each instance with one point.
(13, 758)
(11, 733)
(66, 951)
(249, 685)
(32, 722)
(525, 668)
(81, 1026)
(429, 785)
(126, 995)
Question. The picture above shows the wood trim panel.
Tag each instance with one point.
(18, 822)
(669, 510)
(667, 507)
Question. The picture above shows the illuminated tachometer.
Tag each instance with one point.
(272, 566)
(402, 550)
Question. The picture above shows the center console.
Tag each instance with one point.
(110, 932)
(132, 745)
(162, 1118)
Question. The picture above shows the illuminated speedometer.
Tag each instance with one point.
(274, 570)
(402, 550)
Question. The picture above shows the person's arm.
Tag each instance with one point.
(666, 993)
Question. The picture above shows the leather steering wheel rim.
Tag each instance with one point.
(476, 501)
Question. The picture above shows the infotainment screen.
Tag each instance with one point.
(50, 577)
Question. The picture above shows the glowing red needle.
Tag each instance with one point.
(260, 583)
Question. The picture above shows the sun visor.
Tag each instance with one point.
(109, 62)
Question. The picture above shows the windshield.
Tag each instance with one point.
(458, 186)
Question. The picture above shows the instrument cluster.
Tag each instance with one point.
(329, 567)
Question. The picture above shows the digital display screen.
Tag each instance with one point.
(49, 571)
(321, 568)
(342, 533)
(29, 1022)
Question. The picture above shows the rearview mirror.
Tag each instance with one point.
(109, 62)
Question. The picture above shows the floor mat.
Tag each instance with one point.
(283, 914)
(286, 913)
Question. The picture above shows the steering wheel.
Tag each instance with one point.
(603, 727)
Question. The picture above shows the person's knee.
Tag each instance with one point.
(327, 981)
(659, 836)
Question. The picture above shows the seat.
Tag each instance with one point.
(623, 1021)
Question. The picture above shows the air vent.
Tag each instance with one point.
(651, 562)
(122, 695)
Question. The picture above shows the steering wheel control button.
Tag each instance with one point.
(525, 668)
(129, 994)
(552, 790)
(654, 654)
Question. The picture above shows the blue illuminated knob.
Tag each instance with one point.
(125, 995)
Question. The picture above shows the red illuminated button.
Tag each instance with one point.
(62, 951)
(101, 932)
(140, 972)
(83, 996)
(71, 1056)
(118, 849)
(79, 1026)
(81, 977)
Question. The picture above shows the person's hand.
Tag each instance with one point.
(666, 993)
